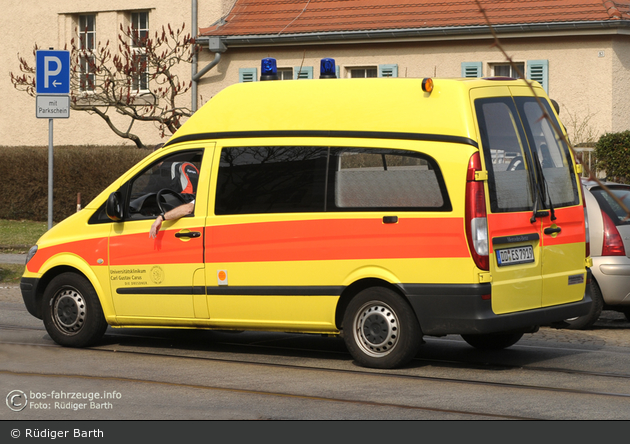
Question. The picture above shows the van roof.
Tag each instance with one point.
(330, 107)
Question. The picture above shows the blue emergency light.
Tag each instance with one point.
(268, 69)
(327, 69)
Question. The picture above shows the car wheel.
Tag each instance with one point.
(73, 316)
(626, 312)
(495, 341)
(381, 329)
(587, 321)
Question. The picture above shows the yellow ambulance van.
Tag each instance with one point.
(382, 210)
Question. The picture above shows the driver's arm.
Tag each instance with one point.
(175, 213)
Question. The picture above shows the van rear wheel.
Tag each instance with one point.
(381, 329)
(495, 341)
(72, 313)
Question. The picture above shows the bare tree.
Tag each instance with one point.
(138, 81)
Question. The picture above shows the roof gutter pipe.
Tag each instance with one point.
(193, 88)
(214, 44)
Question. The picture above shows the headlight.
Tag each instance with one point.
(31, 253)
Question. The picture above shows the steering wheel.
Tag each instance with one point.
(162, 205)
(516, 164)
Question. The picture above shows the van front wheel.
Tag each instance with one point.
(381, 329)
(73, 316)
(495, 341)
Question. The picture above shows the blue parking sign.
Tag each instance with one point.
(52, 72)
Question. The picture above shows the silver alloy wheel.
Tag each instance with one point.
(69, 310)
(376, 328)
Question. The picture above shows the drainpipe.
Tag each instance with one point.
(214, 45)
(193, 90)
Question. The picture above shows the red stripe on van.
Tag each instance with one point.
(571, 221)
(139, 249)
(90, 250)
(337, 239)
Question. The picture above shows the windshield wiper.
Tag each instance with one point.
(543, 189)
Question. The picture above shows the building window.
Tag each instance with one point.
(358, 73)
(285, 73)
(87, 42)
(140, 34)
(507, 70)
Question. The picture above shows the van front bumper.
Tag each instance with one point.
(459, 309)
(28, 287)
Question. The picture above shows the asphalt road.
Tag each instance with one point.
(161, 375)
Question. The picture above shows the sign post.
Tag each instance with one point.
(52, 84)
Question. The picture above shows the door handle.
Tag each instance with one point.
(552, 230)
(188, 234)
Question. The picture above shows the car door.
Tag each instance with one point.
(156, 281)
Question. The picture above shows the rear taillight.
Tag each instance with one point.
(613, 244)
(587, 239)
(476, 216)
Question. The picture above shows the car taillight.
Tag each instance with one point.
(476, 216)
(613, 244)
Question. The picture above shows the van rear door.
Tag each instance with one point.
(515, 248)
(563, 230)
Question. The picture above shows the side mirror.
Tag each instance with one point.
(113, 208)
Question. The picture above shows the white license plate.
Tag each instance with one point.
(517, 255)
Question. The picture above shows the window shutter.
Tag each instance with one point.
(248, 74)
(305, 72)
(538, 70)
(388, 70)
(471, 69)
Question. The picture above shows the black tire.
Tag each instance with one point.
(626, 312)
(380, 329)
(495, 341)
(73, 315)
(587, 321)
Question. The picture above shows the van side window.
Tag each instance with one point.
(254, 180)
(377, 179)
(504, 146)
(177, 174)
(551, 151)
(271, 179)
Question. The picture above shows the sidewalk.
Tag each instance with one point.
(12, 258)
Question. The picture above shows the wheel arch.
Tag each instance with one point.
(355, 288)
(72, 264)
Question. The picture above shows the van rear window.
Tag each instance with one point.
(524, 156)
(255, 180)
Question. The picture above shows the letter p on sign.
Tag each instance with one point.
(48, 72)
